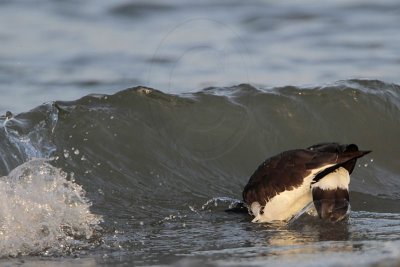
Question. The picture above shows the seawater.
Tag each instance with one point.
(54, 50)
(98, 175)
(142, 177)
(43, 213)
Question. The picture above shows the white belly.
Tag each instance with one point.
(340, 178)
(290, 202)
(284, 205)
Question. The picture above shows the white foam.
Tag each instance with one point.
(42, 212)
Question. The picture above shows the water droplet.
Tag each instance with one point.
(112, 117)
(66, 153)
(192, 208)
(72, 176)
(372, 160)
(76, 152)
(141, 223)
(365, 165)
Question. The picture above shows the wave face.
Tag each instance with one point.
(146, 158)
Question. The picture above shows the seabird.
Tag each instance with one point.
(286, 183)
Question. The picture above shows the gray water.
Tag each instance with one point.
(98, 175)
(62, 50)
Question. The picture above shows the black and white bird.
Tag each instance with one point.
(286, 183)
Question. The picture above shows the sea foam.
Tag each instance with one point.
(42, 212)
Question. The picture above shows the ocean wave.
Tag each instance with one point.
(142, 154)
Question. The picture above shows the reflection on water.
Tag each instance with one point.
(308, 241)
(302, 235)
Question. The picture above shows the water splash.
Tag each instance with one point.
(225, 202)
(41, 212)
(27, 136)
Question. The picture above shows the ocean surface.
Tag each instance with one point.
(93, 173)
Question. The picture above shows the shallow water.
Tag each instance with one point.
(100, 176)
